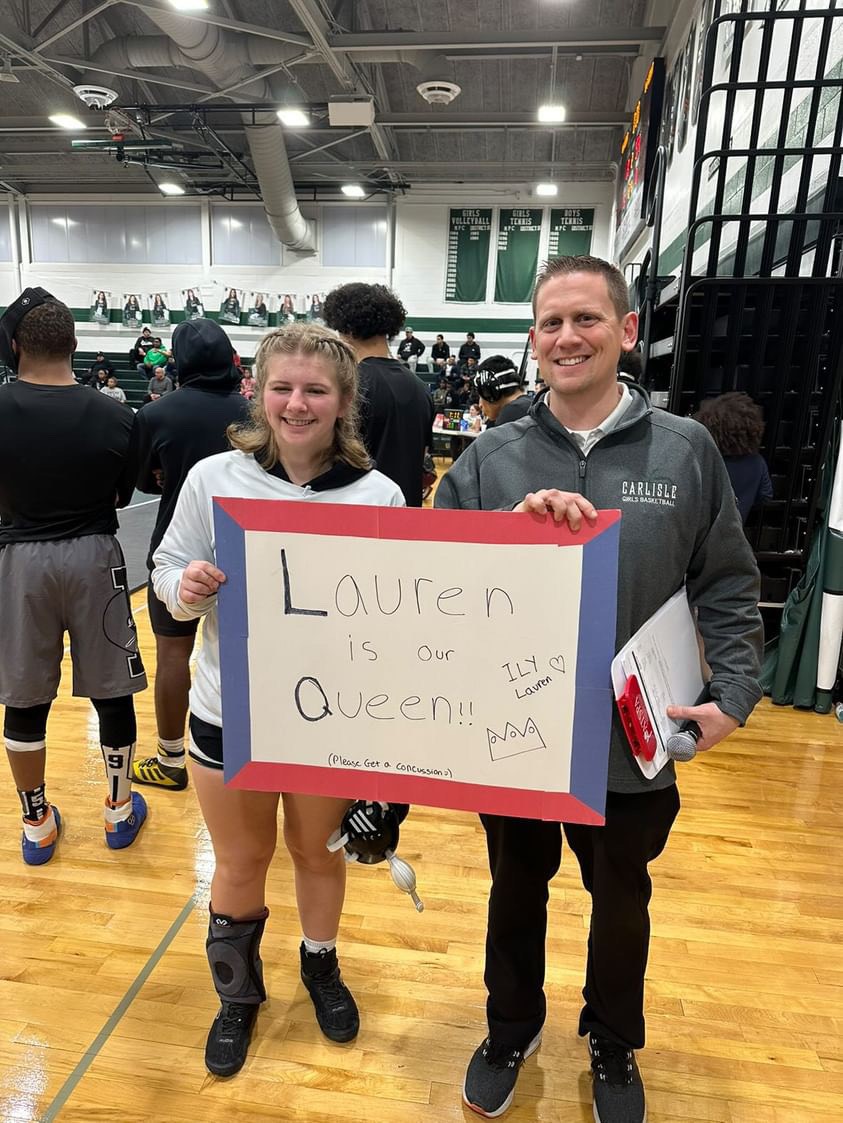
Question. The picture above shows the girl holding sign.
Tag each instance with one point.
(302, 439)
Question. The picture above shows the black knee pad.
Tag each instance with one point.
(26, 725)
(233, 948)
(118, 726)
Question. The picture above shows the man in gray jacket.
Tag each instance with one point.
(591, 442)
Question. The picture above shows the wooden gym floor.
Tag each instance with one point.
(105, 996)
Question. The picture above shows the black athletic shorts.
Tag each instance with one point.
(162, 622)
(205, 743)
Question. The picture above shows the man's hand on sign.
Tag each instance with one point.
(199, 581)
(562, 505)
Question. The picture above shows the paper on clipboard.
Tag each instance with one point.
(664, 655)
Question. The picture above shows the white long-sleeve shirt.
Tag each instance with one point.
(190, 537)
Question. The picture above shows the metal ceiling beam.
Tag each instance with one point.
(59, 7)
(330, 144)
(95, 11)
(317, 27)
(14, 40)
(565, 38)
(524, 169)
(485, 54)
(220, 21)
(447, 120)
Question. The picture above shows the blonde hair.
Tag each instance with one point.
(256, 435)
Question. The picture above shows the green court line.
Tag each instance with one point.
(66, 1091)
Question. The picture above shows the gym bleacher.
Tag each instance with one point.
(134, 384)
(129, 379)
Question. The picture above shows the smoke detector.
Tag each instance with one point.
(95, 97)
(439, 91)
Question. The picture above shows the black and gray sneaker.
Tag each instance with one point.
(229, 1037)
(336, 1010)
(491, 1075)
(618, 1089)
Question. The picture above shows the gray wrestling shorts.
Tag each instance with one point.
(78, 586)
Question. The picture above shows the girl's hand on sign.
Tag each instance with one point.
(199, 581)
(563, 505)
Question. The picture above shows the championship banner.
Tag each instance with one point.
(356, 663)
(519, 231)
(570, 231)
(469, 238)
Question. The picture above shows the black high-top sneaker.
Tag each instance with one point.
(336, 1010)
(229, 1037)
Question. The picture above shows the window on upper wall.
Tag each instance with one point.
(354, 236)
(5, 239)
(242, 236)
(122, 235)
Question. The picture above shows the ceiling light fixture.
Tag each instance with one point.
(189, 5)
(293, 118)
(551, 114)
(171, 188)
(547, 189)
(66, 121)
(353, 191)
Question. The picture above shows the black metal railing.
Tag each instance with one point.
(759, 303)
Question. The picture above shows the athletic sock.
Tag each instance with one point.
(171, 753)
(118, 812)
(313, 947)
(43, 830)
(34, 804)
(118, 773)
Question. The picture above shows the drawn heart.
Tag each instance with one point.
(557, 663)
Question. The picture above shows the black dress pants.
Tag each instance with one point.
(524, 854)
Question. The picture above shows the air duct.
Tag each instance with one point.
(227, 58)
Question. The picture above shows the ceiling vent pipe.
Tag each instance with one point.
(227, 58)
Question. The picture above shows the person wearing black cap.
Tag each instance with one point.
(61, 568)
(100, 363)
(410, 349)
(396, 410)
(143, 343)
(170, 436)
(501, 391)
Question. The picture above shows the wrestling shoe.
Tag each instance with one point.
(618, 1088)
(229, 1037)
(491, 1077)
(336, 1010)
(38, 851)
(123, 832)
(151, 771)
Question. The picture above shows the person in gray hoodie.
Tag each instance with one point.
(169, 437)
(591, 442)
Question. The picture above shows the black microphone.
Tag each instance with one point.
(682, 745)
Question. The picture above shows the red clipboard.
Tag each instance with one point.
(636, 721)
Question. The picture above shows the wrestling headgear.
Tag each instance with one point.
(11, 318)
(369, 834)
(495, 378)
